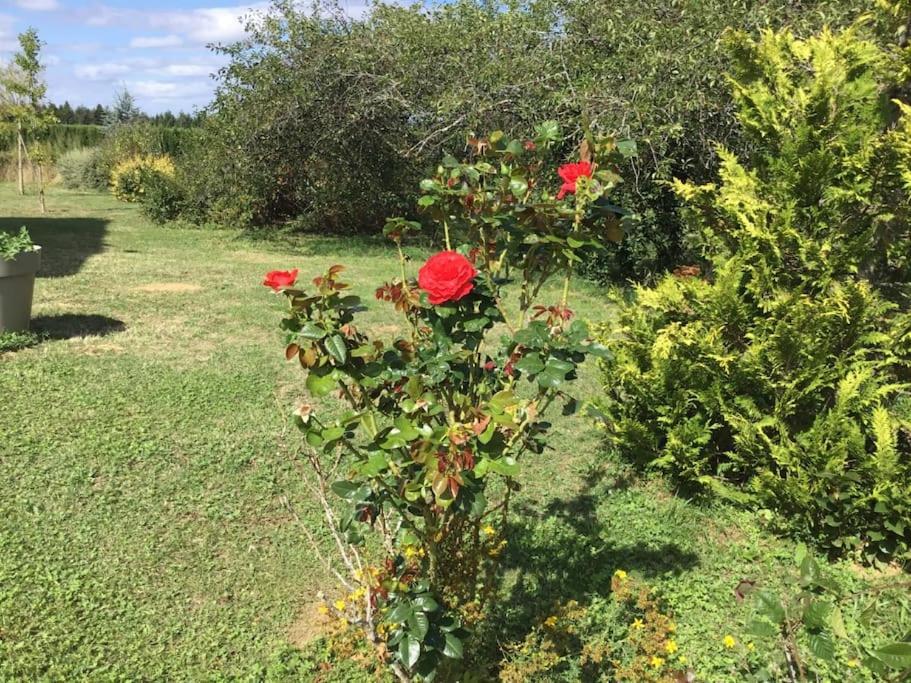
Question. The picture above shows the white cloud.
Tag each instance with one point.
(7, 36)
(187, 70)
(155, 89)
(156, 41)
(38, 5)
(203, 25)
(104, 71)
(166, 90)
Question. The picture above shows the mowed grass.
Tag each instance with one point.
(144, 464)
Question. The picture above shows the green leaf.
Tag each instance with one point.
(335, 345)
(453, 647)
(837, 623)
(895, 655)
(320, 384)
(310, 330)
(426, 603)
(345, 489)
(515, 148)
(507, 466)
(627, 148)
(418, 624)
(809, 571)
(770, 606)
(475, 324)
(502, 400)
(409, 651)
(400, 613)
(375, 464)
(800, 553)
(550, 379)
(817, 614)
(548, 131)
(599, 351)
(761, 629)
(530, 363)
(558, 365)
(821, 645)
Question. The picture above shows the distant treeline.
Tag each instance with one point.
(95, 116)
(62, 138)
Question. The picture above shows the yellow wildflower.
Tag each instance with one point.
(637, 623)
(340, 605)
(551, 621)
(357, 595)
(322, 609)
(854, 663)
(620, 574)
(670, 647)
(489, 530)
(751, 647)
(729, 642)
(657, 662)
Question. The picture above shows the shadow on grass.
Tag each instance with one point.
(564, 552)
(54, 327)
(66, 243)
(70, 325)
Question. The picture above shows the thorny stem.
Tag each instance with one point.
(398, 246)
(565, 298)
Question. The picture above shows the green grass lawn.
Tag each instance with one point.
(143, 463)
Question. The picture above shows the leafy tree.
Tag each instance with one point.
(22, 92)
(326, 121)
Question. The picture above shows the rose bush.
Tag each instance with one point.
(426, 455)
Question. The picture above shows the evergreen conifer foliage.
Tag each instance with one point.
(781, 378)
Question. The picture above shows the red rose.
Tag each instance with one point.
(570, 173)
(280, 279)
(446, 276)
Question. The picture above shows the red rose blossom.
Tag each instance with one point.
(446, 276)
(280, 279)
(570, 173)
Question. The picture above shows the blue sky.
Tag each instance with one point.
(154, 49)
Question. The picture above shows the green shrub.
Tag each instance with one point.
(130, 177)
(76, 168)
(126, 141)
(374, 102)
(163, 198)
(782, 379)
